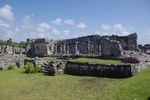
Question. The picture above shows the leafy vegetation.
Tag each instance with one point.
(11, 67)
(14, 84)
(32, 68)
(11, 43)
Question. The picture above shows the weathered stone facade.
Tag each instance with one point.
(39, 47)
(104, 70)
(111, 46)
(7, 60)
(127, 42)
(145, 48)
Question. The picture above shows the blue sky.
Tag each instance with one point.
(62, 19)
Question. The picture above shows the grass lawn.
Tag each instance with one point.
(16, 85)
(91, 60)
(49, 58)
(96, 60)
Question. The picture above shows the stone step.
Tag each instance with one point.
(48, 68)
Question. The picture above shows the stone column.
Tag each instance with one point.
(2, 49)
(13, 50)
(76, 48)
(99, 49)
(64, 48)
(61, 49)
(88, 47)
(55, 48)
(20, 50)
(6, 49)
(67, 49)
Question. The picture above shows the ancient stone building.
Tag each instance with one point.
(40, 47)
(82, 45)
(127, 42)
(93, 44)
(145, 48)
(110, 48)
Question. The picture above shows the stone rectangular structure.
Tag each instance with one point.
(109, 46)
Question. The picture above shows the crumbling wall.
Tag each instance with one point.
(104, 70)
(82, 44)
(4, 64)
(110, 48)
(39, 47)
(127, 42)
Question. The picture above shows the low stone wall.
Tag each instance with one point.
(4, 64)
(103, 70)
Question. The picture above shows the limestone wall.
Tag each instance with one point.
(128, 42)
(110, 48)
(4, 64)
(103, 70)
(82, 44)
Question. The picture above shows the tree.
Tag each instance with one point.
(9, 42)
(23, 44)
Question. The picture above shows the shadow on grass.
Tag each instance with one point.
(148, 98)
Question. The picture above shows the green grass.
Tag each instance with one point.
(16, 85)
(90, 60)
(95, 60)
(48, 58)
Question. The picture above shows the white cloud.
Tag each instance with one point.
(125, 33)
(54, 30)
(81, 26)
(69, 21)
(41, 35)
(66, 32)
(42, 27)
(4, 24)
(116, 29)
(106, 27)
(105, 34)
(6, 13)
(119, 27)
(97, 32)
(17, 29)
(27, 23)
(57, 21)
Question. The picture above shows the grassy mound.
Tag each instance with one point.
(16, 85)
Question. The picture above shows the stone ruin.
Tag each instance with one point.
(4, 49)
(15, 50)
(145, 48)
(106, 46)
(39, 47)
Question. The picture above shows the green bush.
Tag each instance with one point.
(11, 67)
(38, 68)
(32, 68)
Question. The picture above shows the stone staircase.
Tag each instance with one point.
(49, 69)
(52, 68)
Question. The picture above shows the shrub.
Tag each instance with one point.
(38, 68)
(130, 60)
(32, 68)
(11, 67)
